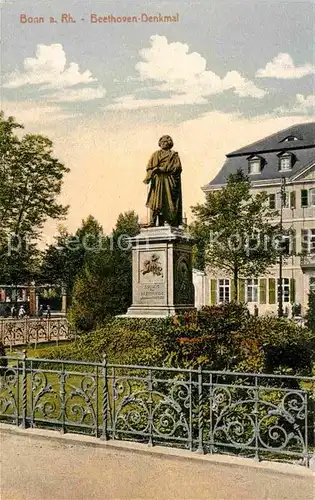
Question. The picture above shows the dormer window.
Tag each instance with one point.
(255, 164)
(290, 138)
(286, 161)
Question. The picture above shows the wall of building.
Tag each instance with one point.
(298, 219)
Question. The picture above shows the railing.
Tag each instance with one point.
(14, 332)
(264, 416)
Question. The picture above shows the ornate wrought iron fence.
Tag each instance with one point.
(248, 414)
(15, 332)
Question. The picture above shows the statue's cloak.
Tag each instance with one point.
(165, 194)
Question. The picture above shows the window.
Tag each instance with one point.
(285, 200)
(252, 290)
(254, 165)
(292, 199)
(304, 198)
(224, 290)
(308, 241)
(312, 197)
(285, 244)
(290, 138)
(285, 289)
(285, 162)
(272, 201)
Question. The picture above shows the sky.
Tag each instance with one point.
(221, 75)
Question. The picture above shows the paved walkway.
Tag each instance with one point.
(35, 467)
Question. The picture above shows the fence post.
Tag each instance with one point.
(256, 414)
(150, 403)
(200, 411)
(62, 398)
(104, 436)
(211, 424)
(24, 391)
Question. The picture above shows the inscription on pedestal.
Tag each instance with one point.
(151, 293)
(161, 272)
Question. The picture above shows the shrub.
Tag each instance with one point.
(223, 337)
(227, 337)
(311, 311)
(125, 341)
(276, 345)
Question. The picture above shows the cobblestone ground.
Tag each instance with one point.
(44, 469)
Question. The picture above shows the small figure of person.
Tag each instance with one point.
(40, 311)
(22, 312)
(48, 312)
(13, 311)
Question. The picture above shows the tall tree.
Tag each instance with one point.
(104, 286)
(235, 231)
(64, 260)
(31, 180)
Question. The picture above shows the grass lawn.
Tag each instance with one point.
(33, 351)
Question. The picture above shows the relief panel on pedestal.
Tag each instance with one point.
(151, 277)
(183, 285)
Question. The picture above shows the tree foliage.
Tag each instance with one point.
(234, 231)
(63, 261)
(311, 311)
(104, 286)
(31, 181)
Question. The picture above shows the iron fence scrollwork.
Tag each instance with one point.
(254, 415)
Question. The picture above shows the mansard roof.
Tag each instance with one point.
(298, 139)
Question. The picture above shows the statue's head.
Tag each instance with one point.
(166, 142)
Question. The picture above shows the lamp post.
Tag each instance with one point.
(280, 287)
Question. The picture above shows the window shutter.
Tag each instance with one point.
(213, 292)
(304, 241)
(293, 242)
(304, 198)
(232, 289)
(292, 291)
(272, 291)
(292, 199)
(272, 201)
(262, 291)
(241, 291)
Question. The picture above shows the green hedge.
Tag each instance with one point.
(223, 337)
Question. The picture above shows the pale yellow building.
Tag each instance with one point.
(284, 158)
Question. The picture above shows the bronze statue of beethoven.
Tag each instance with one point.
(165, 193)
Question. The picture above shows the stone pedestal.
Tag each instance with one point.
(162, 272)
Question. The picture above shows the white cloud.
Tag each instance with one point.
(303, 104)
(282, 66)
(49, 70)
(35, 114)
(170, 68)
(81, 94)
(131, 102)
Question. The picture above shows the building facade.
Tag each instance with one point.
(280, 163)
